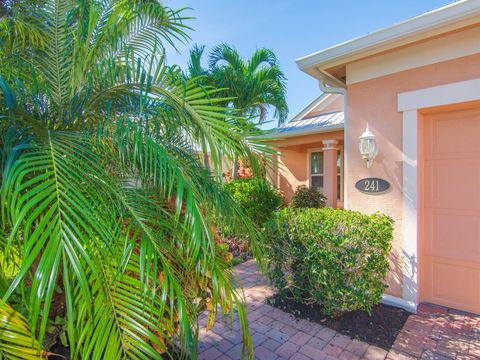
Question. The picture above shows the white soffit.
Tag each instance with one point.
(445, 19)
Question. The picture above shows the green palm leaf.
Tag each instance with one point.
(54, 185)
(106, 206)
(16, 338)
(255, 84)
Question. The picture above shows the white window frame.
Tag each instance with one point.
(310, 152)
(341, 195)
(340, 200)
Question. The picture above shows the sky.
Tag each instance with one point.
(291, 28)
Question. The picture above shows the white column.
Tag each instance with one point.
(330, 153)
(410, 205)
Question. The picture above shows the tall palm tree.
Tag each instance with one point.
(104, 202)
(251, 87)
(255, 84)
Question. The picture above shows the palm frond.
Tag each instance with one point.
(190, 185)
(54, 61)
(54, 184)
(16, 339)
(262, 56)
(194, 66)
(223, 55)
(102, 190)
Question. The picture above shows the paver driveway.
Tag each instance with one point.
(434, 333)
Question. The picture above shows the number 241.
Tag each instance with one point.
(371, 185)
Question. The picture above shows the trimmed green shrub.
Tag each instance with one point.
(335, 258)
(306, 197)
(258, 197)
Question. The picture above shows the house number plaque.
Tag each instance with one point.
(372, 185)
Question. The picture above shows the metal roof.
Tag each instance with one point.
(314, 124)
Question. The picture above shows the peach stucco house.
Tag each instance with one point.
(417, 85)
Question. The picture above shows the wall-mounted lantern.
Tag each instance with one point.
(368, 146)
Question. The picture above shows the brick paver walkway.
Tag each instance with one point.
(434, 333)
(439, 333)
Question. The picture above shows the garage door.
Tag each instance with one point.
(450, 248)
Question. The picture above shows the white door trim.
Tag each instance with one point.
(440, 95)
(409, 103)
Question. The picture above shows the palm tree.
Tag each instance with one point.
(251, 86)
(255, 85)
(104, 202)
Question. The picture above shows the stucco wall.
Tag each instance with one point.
(292, 171)
(293, 161)
(375, 101)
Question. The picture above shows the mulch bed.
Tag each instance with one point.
(380, 328)
(59, 352)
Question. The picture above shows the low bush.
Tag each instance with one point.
(258, 198)
(307, 197)
(239, 247)
(335, 258)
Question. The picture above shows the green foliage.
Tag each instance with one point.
(16, 338)
(335, 258)
(257, 197)
(307, 197)
(104, 200)
(252, 86)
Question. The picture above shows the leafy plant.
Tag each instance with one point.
(238, 246)
(102, 190)
(258, 197)
(252, 86)
(308, 197)
(335, 258)
(16, 338)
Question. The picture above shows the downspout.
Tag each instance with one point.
(330, 85)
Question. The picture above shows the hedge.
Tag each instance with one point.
(257, 196)
(308, 197)
(335, 258)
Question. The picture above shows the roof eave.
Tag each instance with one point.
(448, 18)
(319, 130)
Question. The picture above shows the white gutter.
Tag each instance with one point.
(448, 18)
(328, 84)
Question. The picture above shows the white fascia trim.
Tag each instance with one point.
(445, 48)
(453, 93)
(400, 303)
(410, 103)
(323, 129)
(451, 16)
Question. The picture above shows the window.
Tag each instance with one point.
(316, 170)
